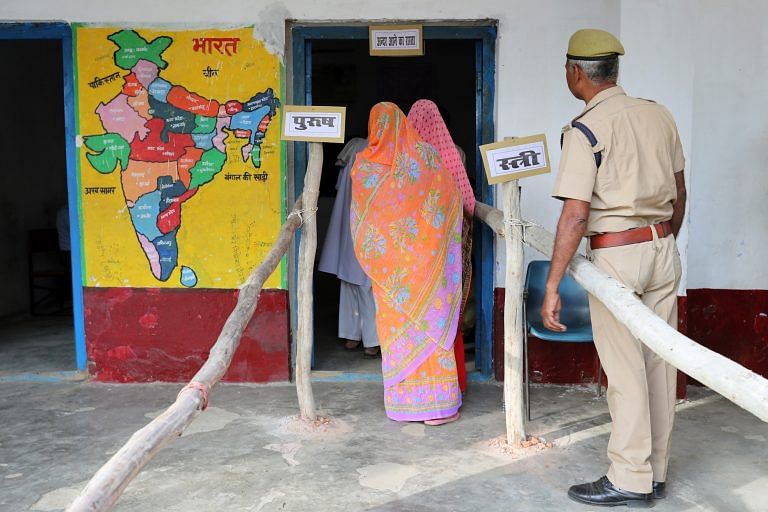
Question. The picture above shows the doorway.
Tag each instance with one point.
(39, 308)
(332, 66)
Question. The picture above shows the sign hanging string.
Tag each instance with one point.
(308, 211)
(519, 223)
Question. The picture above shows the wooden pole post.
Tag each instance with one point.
(305, 336)
(513, 316)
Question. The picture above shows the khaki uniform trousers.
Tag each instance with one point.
(641, 385)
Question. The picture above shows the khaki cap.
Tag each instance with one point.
(593, 44)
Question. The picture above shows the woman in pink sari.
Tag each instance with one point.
(406, 226)
(427, 121)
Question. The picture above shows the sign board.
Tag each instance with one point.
(515, 158)
(313, 123)
(395, 40)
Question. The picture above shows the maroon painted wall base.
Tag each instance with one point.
(144, 335)
(682, 326)
(733, 323)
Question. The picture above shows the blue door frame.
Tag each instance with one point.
(63, 32)
(485, 69)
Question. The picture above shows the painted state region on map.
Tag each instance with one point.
(169, 142)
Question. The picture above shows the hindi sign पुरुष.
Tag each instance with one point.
(313, 123)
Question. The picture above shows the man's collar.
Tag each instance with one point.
(602, 96)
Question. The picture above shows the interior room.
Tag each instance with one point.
(344, 74)
(36, 323)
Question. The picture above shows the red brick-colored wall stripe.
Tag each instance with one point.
(682, 326)
(733, 323)
(144, 335)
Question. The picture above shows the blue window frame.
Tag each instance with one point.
(485, 62)
(63, 32)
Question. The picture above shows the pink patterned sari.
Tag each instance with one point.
(425, 118)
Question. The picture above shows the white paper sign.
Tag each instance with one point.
(313, 123)
(515, 158)
(395, 40)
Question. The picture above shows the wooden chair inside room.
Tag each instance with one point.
(48, 273)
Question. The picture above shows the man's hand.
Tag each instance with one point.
(550, 312)
(570, 228)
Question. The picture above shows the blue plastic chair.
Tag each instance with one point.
(574, 313)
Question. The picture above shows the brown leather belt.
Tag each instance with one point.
(630, 236)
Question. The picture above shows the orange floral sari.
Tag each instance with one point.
(406, 220)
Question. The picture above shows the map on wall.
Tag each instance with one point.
(180, 159)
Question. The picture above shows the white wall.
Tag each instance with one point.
(729, 210)
(649, 30)
(706, 60)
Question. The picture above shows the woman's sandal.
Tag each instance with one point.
(372, 352)
(443, 421)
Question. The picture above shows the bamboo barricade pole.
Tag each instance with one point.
(513, 309)
(305, 278)
(109, 482)
(728, 378)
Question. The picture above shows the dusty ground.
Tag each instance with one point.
(246, 453)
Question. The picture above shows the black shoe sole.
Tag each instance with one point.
(627, 503)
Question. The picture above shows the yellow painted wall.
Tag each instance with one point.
(228, 226)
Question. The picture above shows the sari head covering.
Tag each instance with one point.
(427, 121)
(406, 224)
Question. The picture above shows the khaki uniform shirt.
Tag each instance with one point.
(641, 152)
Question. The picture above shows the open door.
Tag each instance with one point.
(331, 66)
(41, 304)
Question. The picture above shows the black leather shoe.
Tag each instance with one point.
(604, 493)
(659, 490)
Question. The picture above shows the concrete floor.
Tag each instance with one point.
(246, 453)
(38, 344)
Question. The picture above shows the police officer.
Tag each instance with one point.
(621, 183)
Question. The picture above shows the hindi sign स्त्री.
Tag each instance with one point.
(395, 40)
(313, 123)
(515, 158)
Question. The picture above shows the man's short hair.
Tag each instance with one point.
(599, 71)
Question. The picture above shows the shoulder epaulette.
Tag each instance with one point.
(590, 137)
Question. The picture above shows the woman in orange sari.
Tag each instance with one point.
(406, 219)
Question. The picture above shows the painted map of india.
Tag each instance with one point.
(169, 143)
